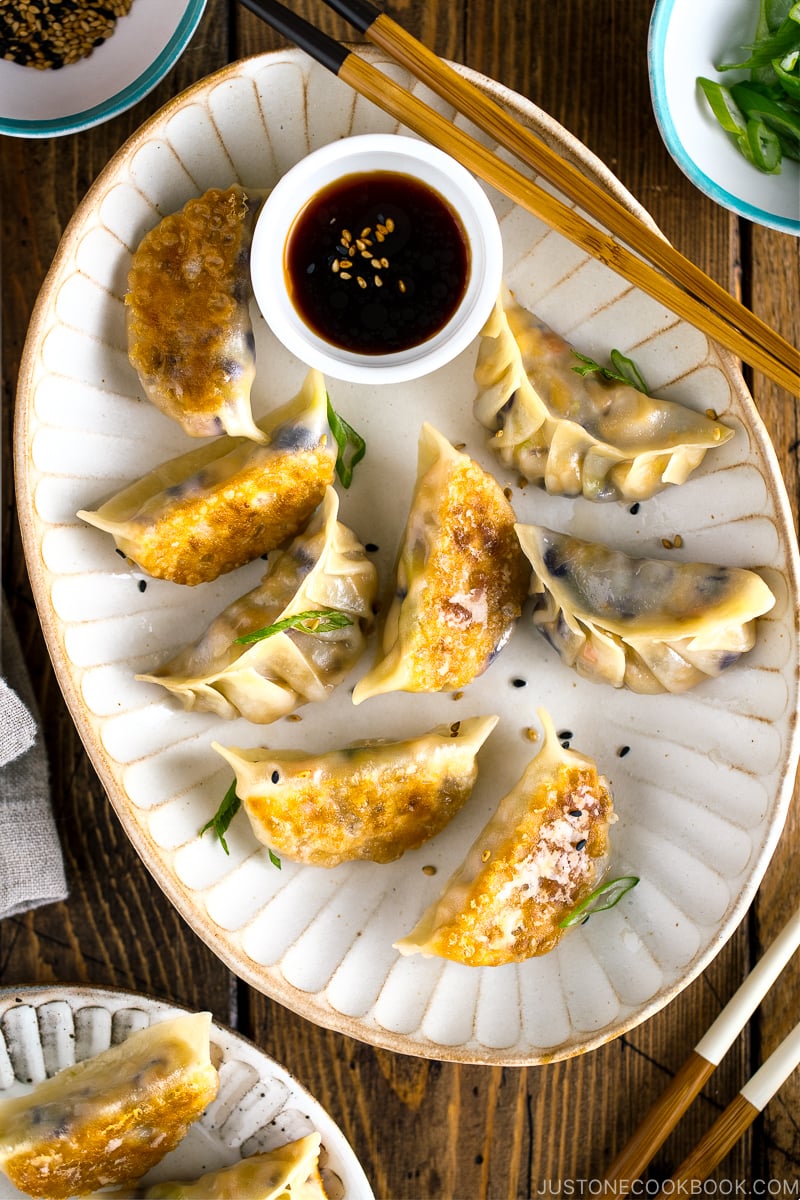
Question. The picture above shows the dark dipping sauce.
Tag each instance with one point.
(377, 262)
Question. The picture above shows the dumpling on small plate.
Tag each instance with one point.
(579, 435)
(372, 800)
(289, 1172)
(109, 1119)
(460, 583)
(228, 502)
(315, 601)
(536, 859)
(647, 624)
(190, 339)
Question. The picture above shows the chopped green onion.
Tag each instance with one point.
(622, 369)
(605, 896)
(764, 145)
(723, 106)
(222, 818)
(352, 446)
(314, 620)
(273, 858)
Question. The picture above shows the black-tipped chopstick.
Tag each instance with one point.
(738, 329)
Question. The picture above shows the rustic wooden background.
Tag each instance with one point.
(423, 1130)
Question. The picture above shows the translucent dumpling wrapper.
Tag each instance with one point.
(289, 1172)
(647, 624)
(324, 570)
(579, 435)
(228, 502)
(535, 860)
(460, 582)
(373, 800)
(190, 338)
(109, 1119)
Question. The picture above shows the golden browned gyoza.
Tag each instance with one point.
(324, 570)
(535, 860)
(579, 436)
(647, 624)
(226, 503)
(109, 1119)
(460, 583)
(289, 1172)
(190, 339)
(372, 800)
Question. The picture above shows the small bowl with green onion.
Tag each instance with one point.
(725, 82)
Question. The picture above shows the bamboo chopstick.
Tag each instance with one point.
(738, 329)
(739, 1115)
(494, 120)
(706, 1056)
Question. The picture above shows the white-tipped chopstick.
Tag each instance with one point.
(706, 1056)
(739, 1115)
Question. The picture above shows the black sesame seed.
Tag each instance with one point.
(519, 683)
(371, 548)
(121, 553)
(275, 776)
(623, 750)
(576, 812)
(634, 508)
(581, 844)
(566, 735)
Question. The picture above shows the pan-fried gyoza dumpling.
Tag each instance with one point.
(190, 339)
(373, 800)
(289, 1172)
(642, 623)
(325, 570)
(230, 501)
(110, 1118)
(535, 860)
(577, 435)
(461, 578)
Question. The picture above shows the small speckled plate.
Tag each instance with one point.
(701, 793)
(259, 1106)
(144, 46)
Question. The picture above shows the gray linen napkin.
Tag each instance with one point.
(31, 863)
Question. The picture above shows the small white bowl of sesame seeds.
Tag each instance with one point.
(377, 259)
(67, 65)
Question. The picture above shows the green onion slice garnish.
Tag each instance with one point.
(314, 620)
(352, 446)
(622, 369)
(222, 818)
(605, 896)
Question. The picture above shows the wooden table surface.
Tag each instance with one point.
(423, 1130)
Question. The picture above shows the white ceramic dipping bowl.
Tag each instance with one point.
(360, 155)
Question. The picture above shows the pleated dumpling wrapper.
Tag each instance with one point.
(579, 435)
(641, 623)
(322, 579)
(535, 860)
(228, 502)
(373, 800)
(460, 581)
(110, 1118)
(190, 339)
(289, 1172)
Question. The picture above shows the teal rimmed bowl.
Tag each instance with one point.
(144, 46)
(686, 40)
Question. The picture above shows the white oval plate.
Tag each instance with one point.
(688, 39)
(144, 46)
(702, 794)
(259, 1105)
